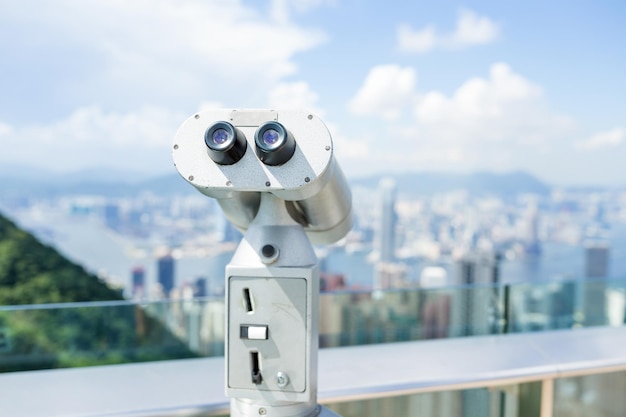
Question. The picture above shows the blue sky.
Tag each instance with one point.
(403, 86)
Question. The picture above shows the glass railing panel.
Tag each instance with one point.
(199, 323)
(85, 334)
(564, 304)
(591, 395)
(542, 306)
(81, 334)
(357, 318)
(354, 318)
(473, 402)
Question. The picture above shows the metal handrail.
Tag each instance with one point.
(188, 387)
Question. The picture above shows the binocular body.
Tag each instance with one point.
(236, 155)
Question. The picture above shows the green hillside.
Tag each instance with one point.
(33, 273)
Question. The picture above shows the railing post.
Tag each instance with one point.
(547, 397)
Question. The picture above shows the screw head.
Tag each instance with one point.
(262, 411)
(282, 379)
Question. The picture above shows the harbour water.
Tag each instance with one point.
(108, 254)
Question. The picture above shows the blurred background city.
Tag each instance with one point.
(160, 238)
(483, 141)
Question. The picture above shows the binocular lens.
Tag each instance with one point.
(226, 144)
(221, 136)
(274, 144)
(270, 137)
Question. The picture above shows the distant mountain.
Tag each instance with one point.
(95, 174)
(33, 273)
(17, 187)
(126, 184)
(479, 183)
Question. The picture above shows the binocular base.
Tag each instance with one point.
(246, 408)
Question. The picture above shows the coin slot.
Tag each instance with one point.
(255, 369)
(247, 301)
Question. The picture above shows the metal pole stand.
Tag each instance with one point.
(272, 297)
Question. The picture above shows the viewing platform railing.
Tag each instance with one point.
(47, 336)
(536, 349)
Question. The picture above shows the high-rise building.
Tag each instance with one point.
(596, 260)
(388, 272)
(386, 232)
(165, 271)
(596, 266)
(477, 268)
(200, 287)
(471, 314)
(138, 275)
(532, 243)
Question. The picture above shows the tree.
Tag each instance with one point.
(57, 336)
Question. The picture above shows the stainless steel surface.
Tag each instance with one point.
(184, 387)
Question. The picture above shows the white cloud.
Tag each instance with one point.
(280, 10)
(146, 128)
(410, 40)
(387, 92)
(5, 129)
(602, 140)
(162, 49)
(471, 29)
(210, 105)
(294, 96)
(90, 137)
(502, 107)
(500, 121)
(138, 61)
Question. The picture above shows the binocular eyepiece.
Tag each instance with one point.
(226, 144)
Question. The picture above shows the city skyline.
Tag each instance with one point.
(539, 236)
(447, 87)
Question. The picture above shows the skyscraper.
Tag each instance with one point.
(596, 260)
(532, 243)
(386, 239)
(139, 282)
(596, 266)
(471, 312)
(388, 273)
(200, 287)
(165, 268)
(478, 268)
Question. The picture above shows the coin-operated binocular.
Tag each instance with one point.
(276, 179)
